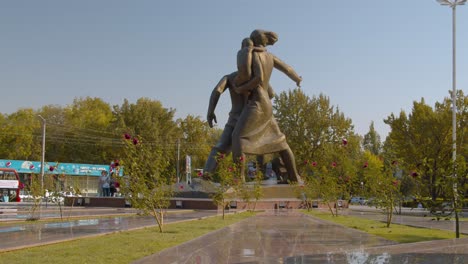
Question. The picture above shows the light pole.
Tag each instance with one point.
(178, 160)
(453, 4)
(43, 151)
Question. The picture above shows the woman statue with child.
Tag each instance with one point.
(256, 131)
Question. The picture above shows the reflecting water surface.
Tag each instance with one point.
(289, 237)
(29, 234)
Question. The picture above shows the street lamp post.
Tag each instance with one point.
(453, 4)
(178, 160)
(43, 151)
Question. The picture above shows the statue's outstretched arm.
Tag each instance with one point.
(288, 70)
(214, 98)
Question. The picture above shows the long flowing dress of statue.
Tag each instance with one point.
(257, 131)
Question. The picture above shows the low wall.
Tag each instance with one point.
(95, 201)
(267, 204)
(203, 203)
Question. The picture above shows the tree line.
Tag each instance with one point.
(415, 157)
(89, 130)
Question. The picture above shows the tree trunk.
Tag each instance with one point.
(433, 188)
(224, 207)
(159, 219)
(331, 209)
(336, 208)
(389, 215)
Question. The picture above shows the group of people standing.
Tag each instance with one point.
(108, 185)
(251, 127)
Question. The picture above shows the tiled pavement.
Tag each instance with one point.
(290, 237)
(272, 237)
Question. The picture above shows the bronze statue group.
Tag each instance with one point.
(251, 127)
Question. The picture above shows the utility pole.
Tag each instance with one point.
(178, 160)
(43, 151)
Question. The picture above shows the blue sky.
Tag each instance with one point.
(372, 58)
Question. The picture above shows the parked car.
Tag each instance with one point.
(358, 200)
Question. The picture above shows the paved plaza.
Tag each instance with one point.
(275, 236)
(25, 235)
(291, 237)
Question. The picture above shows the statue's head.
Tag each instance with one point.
(263, 38)
(247, 42)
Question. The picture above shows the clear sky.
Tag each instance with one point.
(370, 57)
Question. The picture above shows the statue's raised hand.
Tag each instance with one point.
(211, 117)
(298, 83)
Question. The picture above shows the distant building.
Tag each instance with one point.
(76, 175)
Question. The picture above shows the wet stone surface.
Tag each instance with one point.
(24, 235)
(289, 237)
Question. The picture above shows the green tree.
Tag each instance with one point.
(195, 139)
(372, 141)
(55, 133)
(226, 179)
(146, 186)
(422, 142)
(311, 125)
(148, 119)
(380, 184)
(328, 187)
(85, 130)
(35, 189)
(20, 135)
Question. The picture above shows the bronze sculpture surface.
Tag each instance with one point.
(224, 144)
(255, 130)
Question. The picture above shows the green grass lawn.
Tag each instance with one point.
(121, 247)
(398, 233)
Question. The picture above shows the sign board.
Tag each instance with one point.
(25, 166)
(9, 184)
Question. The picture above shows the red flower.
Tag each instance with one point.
(306, 161)
(51, 168)
(221, 156)
(414, 174)
(135, 141)
(345, 142)
(241, 158)
(395, 182)
(333, 164)
(314, 164)
(127, 136)
(181, 187)
(230, 169)
(394, 162)
(365, 165)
